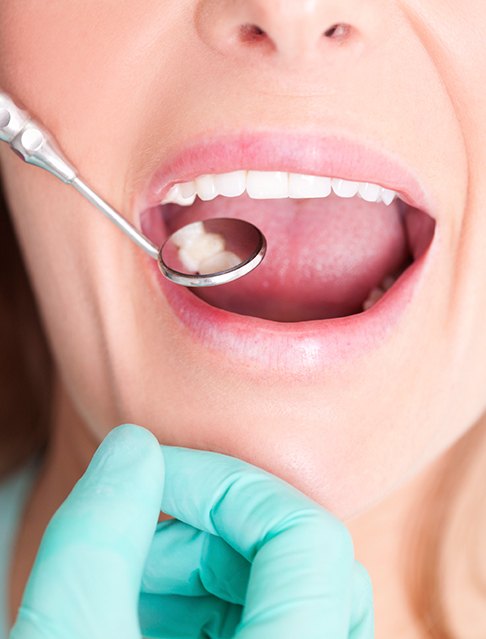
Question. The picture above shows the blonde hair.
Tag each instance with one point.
(25, 402)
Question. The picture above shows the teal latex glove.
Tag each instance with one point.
(248, 556)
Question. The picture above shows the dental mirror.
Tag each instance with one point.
(206, 253)
(212, 252)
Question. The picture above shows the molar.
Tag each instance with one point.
(375, 294)
(200, 248)
(378, 292)
(202, 252)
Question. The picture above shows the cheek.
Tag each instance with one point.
(45, 217)
(44, 50)
(74, 72)
(50, 66)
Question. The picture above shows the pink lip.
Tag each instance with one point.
(333, 155)
(293, 349)
(299, 348)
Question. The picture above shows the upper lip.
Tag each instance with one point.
(333, 155)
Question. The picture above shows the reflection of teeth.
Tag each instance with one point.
(274, 184)
(199, 248)
(202, 252)
(220, 262)
(187, 234)
(188, 262)
(378, 292)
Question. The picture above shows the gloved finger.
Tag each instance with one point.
(184, 560)
(302, 557)
(179, 617)
(86, 577)
(362, 620)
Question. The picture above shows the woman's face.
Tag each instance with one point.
(144, 94)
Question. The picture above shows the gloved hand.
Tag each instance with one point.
(249, 556)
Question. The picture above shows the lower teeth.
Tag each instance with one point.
(378, 292)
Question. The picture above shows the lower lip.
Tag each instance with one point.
(296, 348)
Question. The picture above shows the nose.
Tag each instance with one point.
(289, 31)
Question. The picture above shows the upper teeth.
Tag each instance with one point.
(273, 184)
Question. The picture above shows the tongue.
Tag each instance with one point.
(324, 256)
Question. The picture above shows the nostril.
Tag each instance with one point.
(252, 34)
(339, 30)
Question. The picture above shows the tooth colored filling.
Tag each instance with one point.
(333, 250)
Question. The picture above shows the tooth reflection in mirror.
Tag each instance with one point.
(212, 252)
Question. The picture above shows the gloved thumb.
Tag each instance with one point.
(87, 574)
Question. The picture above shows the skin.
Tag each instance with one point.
(337, 439)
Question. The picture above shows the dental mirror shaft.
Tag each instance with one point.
(208, 253)
(134, 234)
(33, 144)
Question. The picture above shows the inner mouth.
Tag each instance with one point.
(326, 258)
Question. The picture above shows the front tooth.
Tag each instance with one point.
(387, 195)
(263, 185)
(230, 184)
(369, 192)
(308, 186)
(206, 188)
(344, 188)
(220, 262)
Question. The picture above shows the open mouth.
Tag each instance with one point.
(335, 246)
